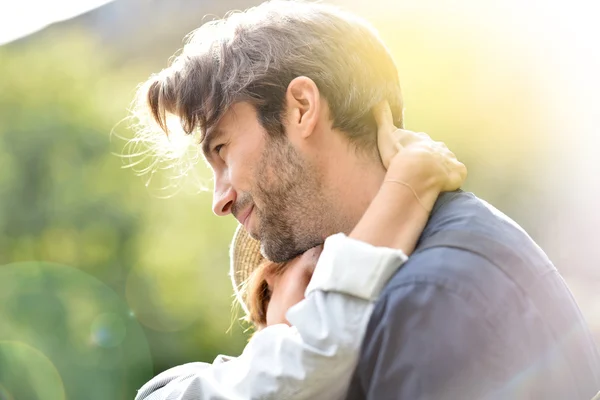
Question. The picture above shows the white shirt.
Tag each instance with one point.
(312, 359)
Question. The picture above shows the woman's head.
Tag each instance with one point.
(275, 287)
(258, 292)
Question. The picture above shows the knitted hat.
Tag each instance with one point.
(245, 257)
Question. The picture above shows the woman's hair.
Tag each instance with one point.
(258, 293)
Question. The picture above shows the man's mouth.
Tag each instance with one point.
(245, 217)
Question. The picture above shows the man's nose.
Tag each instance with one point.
(223, 198)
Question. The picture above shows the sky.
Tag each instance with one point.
(20, 18)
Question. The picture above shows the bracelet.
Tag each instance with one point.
(412, 190)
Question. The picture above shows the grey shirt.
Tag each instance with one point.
(478, 312)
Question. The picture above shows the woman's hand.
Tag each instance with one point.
(418, 169)
(414, 158)
(287, 287)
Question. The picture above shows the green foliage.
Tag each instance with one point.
(67, 334)
(139, 283)
(65, 198)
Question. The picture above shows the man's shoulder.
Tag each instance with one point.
(475, 305)
(464, 211)
(472, 249)
(448, 272)
(463, 221)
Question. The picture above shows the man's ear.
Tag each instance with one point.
(303, 107)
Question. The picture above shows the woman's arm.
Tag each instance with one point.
(314, 358)
(418, 169)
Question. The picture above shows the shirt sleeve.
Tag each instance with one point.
(312, 359)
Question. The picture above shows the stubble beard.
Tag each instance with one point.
(294, 212)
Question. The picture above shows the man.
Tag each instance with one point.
(310, 319)
(280, 97)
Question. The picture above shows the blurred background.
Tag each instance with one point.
(106, 280)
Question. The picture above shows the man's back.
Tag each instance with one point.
(477, 312)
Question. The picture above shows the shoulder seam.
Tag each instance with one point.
(444, 285)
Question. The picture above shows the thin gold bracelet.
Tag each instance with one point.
(412, 190)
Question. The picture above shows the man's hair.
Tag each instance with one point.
(253, 56)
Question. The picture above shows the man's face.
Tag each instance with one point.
(266, 184)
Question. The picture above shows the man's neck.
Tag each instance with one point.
(352, 180)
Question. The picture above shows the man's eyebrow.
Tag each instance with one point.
(209, 137)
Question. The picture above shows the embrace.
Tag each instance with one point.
(366, 271)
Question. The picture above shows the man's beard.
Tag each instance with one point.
(293, 215)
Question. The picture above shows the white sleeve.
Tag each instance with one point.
(312, 359)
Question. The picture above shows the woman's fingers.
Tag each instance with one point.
(383, 116)
(405, 137)
(455, 170)
(433, 159)
(437, 158)
(460, 175)
(386, 140)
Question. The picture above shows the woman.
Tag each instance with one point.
(311, 313)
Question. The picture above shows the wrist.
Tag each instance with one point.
(394, 219)
(424, 184)
(425, 191)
